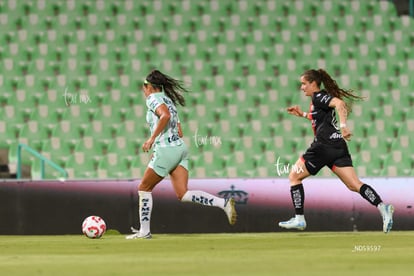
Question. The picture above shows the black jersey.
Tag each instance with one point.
(324, 123)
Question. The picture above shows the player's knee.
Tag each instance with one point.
(294, 177)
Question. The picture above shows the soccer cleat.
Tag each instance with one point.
(293, 223)
(230, 209)
(387, 211)
(137, 235)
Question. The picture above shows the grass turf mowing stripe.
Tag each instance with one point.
(287, 253)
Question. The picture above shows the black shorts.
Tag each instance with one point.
(319, 155)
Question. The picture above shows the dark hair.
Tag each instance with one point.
(330, 85)
(172, 88)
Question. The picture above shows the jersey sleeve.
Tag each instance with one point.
(153, 102)
(322, 100)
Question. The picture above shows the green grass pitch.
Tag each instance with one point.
(287, 253)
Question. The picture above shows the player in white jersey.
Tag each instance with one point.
(170, 154)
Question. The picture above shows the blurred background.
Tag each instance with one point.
(71, 73)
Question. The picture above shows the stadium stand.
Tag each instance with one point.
(71, 74)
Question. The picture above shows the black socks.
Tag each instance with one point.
(298, 198)
(370, 194)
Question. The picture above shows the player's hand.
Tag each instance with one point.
(295, 110)
(346, 133)
(148, 144)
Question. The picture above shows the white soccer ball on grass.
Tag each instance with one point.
(93, 227)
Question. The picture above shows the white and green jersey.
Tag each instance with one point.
(169, 136)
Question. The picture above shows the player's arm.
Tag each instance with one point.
(341, 110)
(164, 117)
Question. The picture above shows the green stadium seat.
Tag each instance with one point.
(81, 167)
(241, 59)
(381, 8)
(406, 167)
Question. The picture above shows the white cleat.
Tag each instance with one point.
(387, 211)
(230, 210)
(293, 223)
(137, 235)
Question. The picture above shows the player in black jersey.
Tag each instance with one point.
(329, 147)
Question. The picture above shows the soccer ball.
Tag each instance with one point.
(93, 227)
